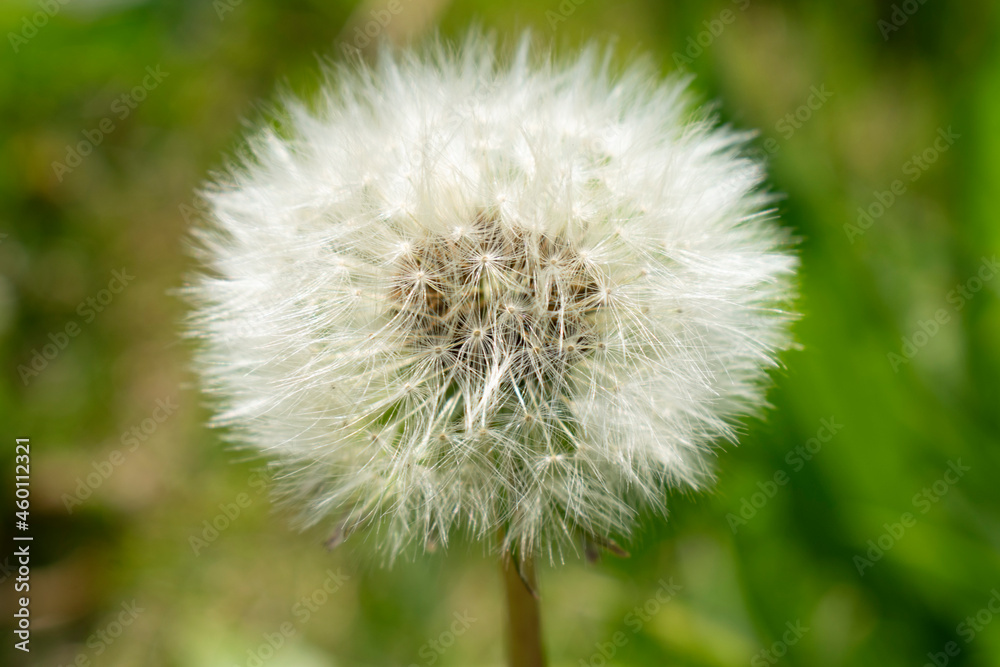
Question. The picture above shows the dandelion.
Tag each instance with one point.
(516, 296)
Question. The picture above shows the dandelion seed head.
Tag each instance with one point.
(466, 291)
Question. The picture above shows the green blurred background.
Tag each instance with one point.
(867, 544)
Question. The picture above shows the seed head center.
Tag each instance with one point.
(498, 295)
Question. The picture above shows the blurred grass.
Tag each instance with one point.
(792, 561)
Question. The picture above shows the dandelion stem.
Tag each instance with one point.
(524, 632)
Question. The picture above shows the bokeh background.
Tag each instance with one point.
(837, 516)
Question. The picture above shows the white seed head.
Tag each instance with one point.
(466, 292)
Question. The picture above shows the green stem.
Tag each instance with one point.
(524, 630)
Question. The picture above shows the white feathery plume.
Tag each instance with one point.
(461, 291)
